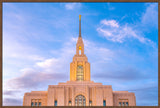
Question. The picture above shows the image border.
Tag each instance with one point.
(89, 1)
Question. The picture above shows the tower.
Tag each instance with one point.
(79, 91)
(80, 67)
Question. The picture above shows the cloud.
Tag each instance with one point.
(145, 91)
(71, 6)
(113, 31)
(111, 23)
(145, 94)
(43, 72)
(12, 102)
(10, 92)
(150, 16)
(128, 74)
(48, 63)
(31, 79)
(11, 52)
(54, 69)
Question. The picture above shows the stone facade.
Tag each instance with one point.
(79, 91)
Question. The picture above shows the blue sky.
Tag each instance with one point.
(121, 43)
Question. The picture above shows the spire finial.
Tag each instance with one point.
(79, 17)
(79, 25)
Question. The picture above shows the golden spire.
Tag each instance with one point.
(79, 25)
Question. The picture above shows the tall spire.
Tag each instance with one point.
(79, 25)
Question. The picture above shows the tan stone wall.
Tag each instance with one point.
(42, 95)
(95, 92)
(56, 93)
(87, 73)
(104, 93)
(124, 95)
(65, 92)
(108, 95)
(69, 91)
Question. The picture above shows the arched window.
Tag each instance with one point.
(80, 100)
(80, 73)
(126, 103)
(39, 104)
(35, 103)
(32, 104)
(122, 103)
(104, 102)
(119, 103)
(90, 103)
(80, 50)
(70, 103)
(55, 103)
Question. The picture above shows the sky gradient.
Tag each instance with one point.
(120, 39)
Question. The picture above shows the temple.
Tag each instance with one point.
(80, 90)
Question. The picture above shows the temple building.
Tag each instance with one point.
(80, 90)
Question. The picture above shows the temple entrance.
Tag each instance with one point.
(80, 100)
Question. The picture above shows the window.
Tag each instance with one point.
(119, 103)
(32, 104)
(70, 103)
(39, 104)
(104, 102)
(122, 103)
(80, 50)
(90, 103)
(84, 101)
(35, 103)
(80, 73)
(126, 103)
(80, 100)
(55, 103)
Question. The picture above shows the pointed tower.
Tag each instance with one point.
(80, 45)
(80, 67)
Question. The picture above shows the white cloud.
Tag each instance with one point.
(71, 6)
(113, 31)
(47, 63)
(150, 17)
(111, 23)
